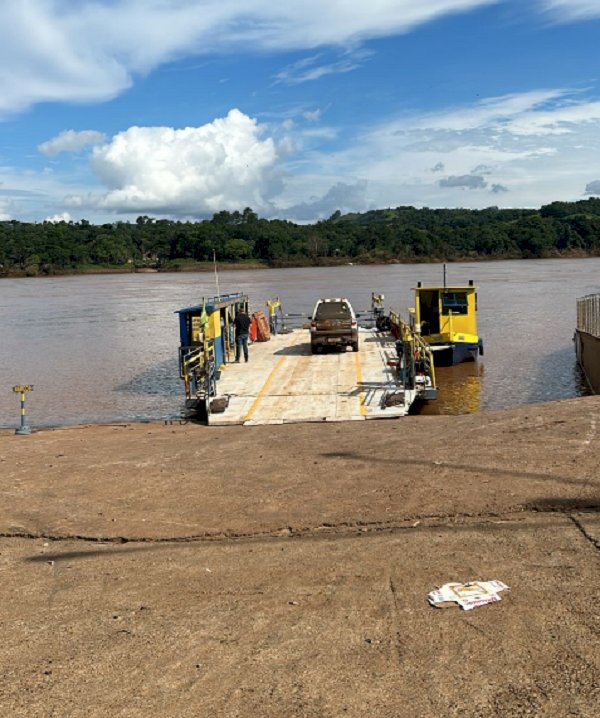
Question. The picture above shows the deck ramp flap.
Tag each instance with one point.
(284, 383)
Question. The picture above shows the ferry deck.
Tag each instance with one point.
(283, 382)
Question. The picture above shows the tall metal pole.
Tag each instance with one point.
(444, 276)
(216, 273)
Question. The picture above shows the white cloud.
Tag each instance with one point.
(535, 114)
(313, 116)
(490, 147)
(63, 217)
(508, 110)
(224, 165)
(74, 201)
(511, 127)
(487, 152)
(572, 9)
(58, 50)
(6, 209)
(71, 141)
(31, 196)
(311, 68)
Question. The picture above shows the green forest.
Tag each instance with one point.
(403, 234)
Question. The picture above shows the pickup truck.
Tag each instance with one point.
(333, 324)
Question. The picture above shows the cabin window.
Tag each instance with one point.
(455, 302)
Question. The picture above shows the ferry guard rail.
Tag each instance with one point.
(198, 370)
(416, 366)
(588, 314)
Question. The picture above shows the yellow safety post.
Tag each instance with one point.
(24, 429)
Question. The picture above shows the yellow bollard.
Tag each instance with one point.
(24, 429)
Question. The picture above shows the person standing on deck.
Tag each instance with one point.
(273, 306)
(242, 329)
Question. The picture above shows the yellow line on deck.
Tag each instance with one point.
(361, 396)
(262, 392)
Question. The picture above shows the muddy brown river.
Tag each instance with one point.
(104, 348)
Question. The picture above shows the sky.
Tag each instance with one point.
(183, 108)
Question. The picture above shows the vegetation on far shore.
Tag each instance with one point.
(243, 240)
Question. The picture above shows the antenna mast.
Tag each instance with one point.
(217, 274)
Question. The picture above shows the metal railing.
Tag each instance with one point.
(588, 314)
(421, 351)
(197, 367)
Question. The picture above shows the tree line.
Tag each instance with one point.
(403, 234)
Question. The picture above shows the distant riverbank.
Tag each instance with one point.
(128, 269)
(189, 266)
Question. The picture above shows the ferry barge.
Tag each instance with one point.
(285, 382)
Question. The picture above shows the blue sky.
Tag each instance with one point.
(182, 108)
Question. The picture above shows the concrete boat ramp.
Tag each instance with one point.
(283, 382)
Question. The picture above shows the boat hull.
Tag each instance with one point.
(587, 349)
(457, 353)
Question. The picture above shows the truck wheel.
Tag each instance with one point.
(355, 346)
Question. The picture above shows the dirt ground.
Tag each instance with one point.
(180, 570)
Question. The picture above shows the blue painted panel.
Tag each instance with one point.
(183, 332)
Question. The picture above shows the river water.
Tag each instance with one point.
(103, 348)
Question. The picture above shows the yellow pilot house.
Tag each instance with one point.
(447, 318)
